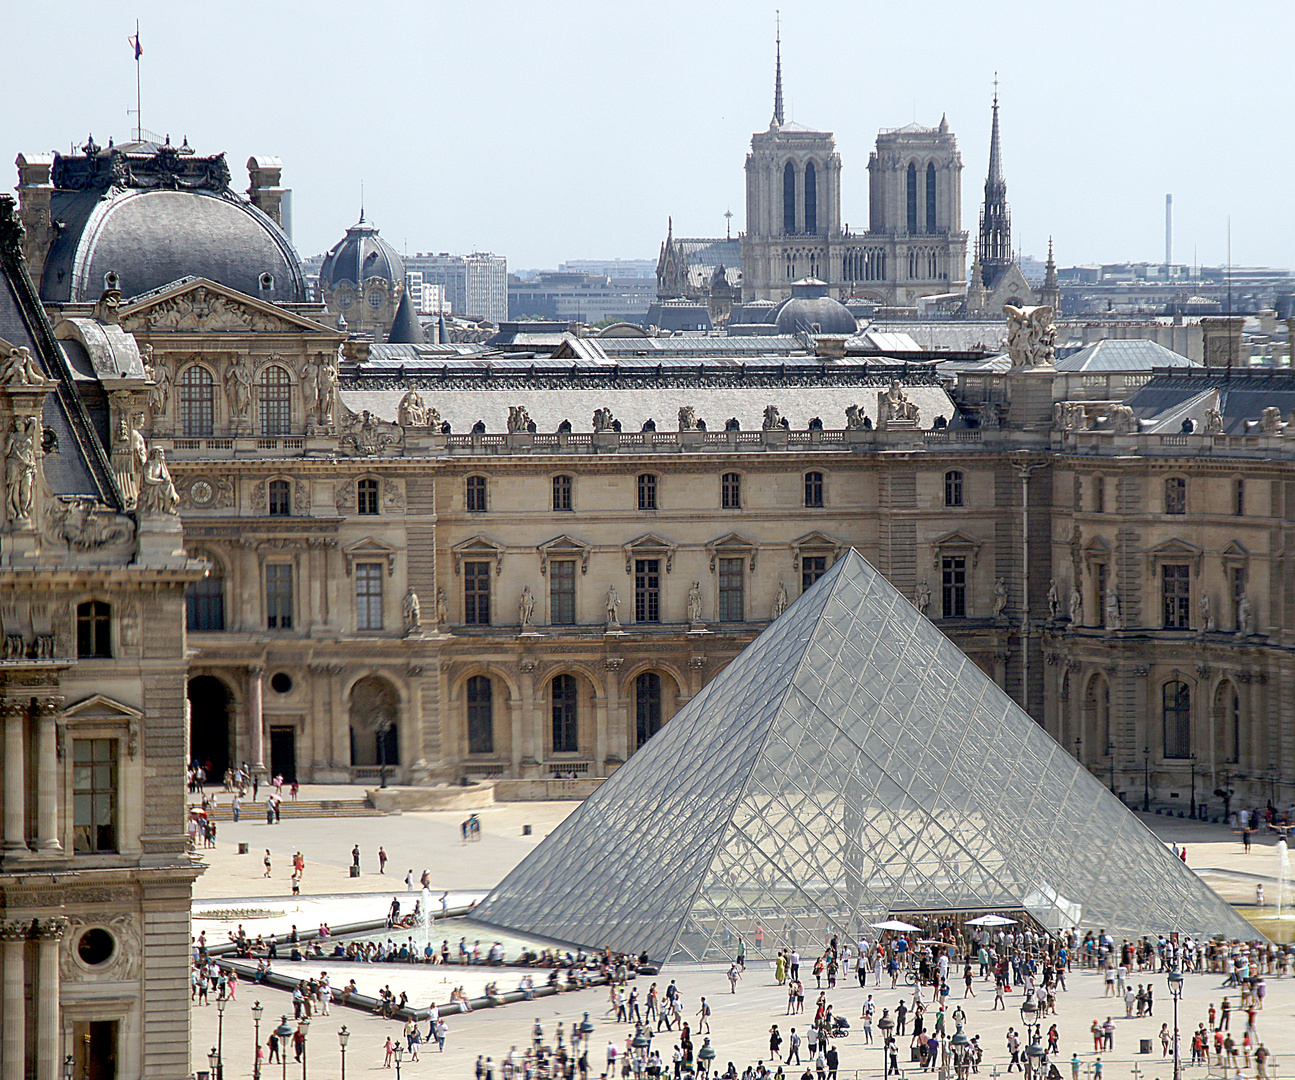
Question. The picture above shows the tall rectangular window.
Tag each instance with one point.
(731, 491)
(197, 402)
(94, 795)
(1175, 495)
(1176, 586)
(204, 603)
(1099, 495)
(953, 488)
(280, 498)
(476, 593)
(481, 723)
(94, 630)
(562, 592)
(366, 497)
(276, 401)
(278, 596)
(368, 595)
(566, 716)
(954, 585)
(732, 601)
(647, 491)
(475, 498)
(562, 493)
(1103, 583)
(813, 489)
(647, 590)
(1239, 498)
(812, 567)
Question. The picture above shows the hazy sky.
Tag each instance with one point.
(564, 130)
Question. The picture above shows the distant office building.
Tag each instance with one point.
(475, 285)
(427, 299)
(580, 297)
(616, 269)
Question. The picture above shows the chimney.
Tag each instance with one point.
(35, 190)
(1222, 340)
(263, 174)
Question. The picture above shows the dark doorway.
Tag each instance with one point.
(209, 725)
(283, 753)
(94, 1046)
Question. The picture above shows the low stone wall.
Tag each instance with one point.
(395, 800)
(545, 790)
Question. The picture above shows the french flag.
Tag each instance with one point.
(134, 44)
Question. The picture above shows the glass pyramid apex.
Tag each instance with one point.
(850, 764)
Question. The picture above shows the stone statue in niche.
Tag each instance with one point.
(1207, 613)
(613, 608)
(1000, 597)
(526, 608)
(412, 611)
(1245, 616)
(20, 468)
(1112, 608)
(780, 600)
(922, 597)
(19, 368)
(1054, 599)
(694, 603)
(442, 607)
(1076, 606)
(160, 392)
(238, 386)
(157, 494)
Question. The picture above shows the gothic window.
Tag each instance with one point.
(565, 714)
(813, 489)
(1176, 588)
(276, 401)
(562, 493)
(1227, 723)
(94, 795)
(647, 705)
(481, 721)
(789, 200)
(368, 595)
(562, 592)
(647, 491)
(1175, 495)
(912, 199)
(731, 491)
(476, 593)
(953, 488)
(732, 606)
(366, 497)
(647, 590)
(94, 630)
(930, 197)
(812, 567)
(280, 498)
(204, 602)
(278, 596)
(953, 572)
(197, 402)
(476, 494)
(811, 199)
(1177, 715)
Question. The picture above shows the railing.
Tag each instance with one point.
(488, 770)
(567, 768)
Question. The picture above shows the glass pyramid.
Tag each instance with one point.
(849, 765)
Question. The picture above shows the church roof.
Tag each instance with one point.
(819, 784)
(1116, 354)
(360, 255)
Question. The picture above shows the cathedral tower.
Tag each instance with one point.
(994, 247)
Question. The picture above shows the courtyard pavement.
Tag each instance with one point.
(740, 1023)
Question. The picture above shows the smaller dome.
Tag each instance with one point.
(811, 310)
(359, 256)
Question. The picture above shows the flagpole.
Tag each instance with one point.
(139, 120)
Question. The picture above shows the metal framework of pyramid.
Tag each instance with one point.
(850, 764)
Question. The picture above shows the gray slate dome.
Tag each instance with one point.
(810, 309)
(360, 255)
(153, 219)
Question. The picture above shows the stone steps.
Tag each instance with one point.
(303, 808)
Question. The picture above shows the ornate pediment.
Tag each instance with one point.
(199, 306)
(564, 547)
(1235, 554)
(1096, 550)
(1178, 550)
(371, 549)
(478, 548)
(101, 711)
(813, 544)
(649, 546)
(731, 546)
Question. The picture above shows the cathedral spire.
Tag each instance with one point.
(994, 246)
(995, 150)
(778, 119)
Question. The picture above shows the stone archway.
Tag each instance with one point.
(210, 724)
(375, 713)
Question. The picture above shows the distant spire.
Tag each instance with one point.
(777, 79)
(1050, 268)
(995, 151)
(362, 191)
(994, 246)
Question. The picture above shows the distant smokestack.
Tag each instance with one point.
(1169, 232)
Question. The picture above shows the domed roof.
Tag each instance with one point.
(360, 255)
(811, 310)
(150, 238)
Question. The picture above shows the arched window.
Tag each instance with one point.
(276, 401)
(953, 488)
(789, 200)
(811, 199)
(565, 714)
(1227, 724)
(647, 705)
(374, 716)
(280, 498)
(197, 402)
(1097, 718)
(204, 601)
(475, 496)
(814, 489)
(912, 198)
(930, 197)
(731, 491)
(1177, 713)
(481, 721)
(94, 630)
(1175, 495)
(366, 496)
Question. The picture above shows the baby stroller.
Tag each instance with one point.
(839, 1029)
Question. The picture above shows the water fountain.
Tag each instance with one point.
(426, 919)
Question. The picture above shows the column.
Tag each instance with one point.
(13, 1042)
(50, 932)
(618, 734)
(15, 780)
(532, 733)
(255, 722)
(47, 831)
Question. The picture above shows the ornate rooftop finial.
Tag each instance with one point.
(777, 82)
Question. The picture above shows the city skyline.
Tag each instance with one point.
(658, 110)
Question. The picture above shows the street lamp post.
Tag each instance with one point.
(1028, 1013)
(640, 1043)
(1036, 1054)
(221, 1004)
(69, 1067)
(400, 1056)
(303, 1027)
(705, 1056)
(885, 1025)
(284, 1032)
(1110, 755)
(213, 1060)
(959, 1043)
(1193, 809)
(1176, 992)
(586, 1028)
(343, 1037)
(382, 728)
(1146, 779)
(257, 1010)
